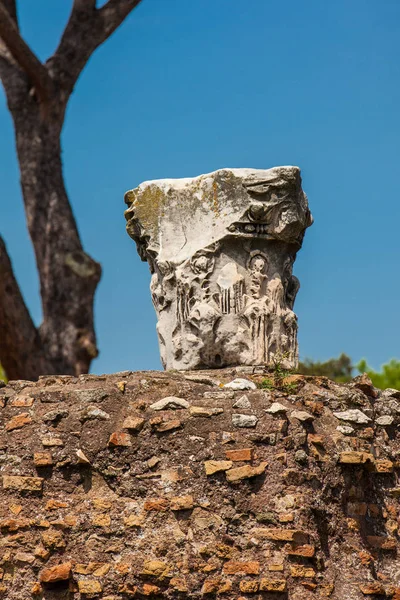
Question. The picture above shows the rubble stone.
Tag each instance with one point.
(203, 411)
(353, 416)
(240, 384)
(385, 420)
(240, 420)
(243, 454)
(119, 438)
(18, 421)
(243, 403)
(355, 458)
(16, 482)
(239, 473)
(214, 466)
(275, 408)
(170, 402)
(59, 572)
(133, 423)
(302, 416)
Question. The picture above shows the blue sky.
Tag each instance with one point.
(187, 87)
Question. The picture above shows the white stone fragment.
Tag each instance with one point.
(221, 395)
(82, 458)
(240, 420)
(241, 384)
(302, 416)
(91, 395)
(390, 393)
(170, 402)
(385, 420)
(205, 411)
(276, 407)
(54, 415)
(228, 436)
(393, 406)
(345, 429)
(243, 403)
(353, 416)
(92, 412)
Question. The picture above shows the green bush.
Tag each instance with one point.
(342, 370)
(389, 377)
(338, 369)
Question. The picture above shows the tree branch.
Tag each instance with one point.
(11, 7)
(5, 56)
(114, 12)
(85, 4)
(87, 28)
(23, 55)
(20, 346)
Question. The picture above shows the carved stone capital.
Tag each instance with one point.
(221, 248)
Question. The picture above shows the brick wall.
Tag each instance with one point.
(171, 486)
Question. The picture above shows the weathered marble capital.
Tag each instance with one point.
(221, 248)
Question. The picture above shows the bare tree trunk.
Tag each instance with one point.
(37, 96)
(68, 276)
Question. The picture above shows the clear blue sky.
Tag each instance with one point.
(187, 87)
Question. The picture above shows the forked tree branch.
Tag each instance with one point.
(86, 30)
(23, 55)
(65, 342)
(20, 348)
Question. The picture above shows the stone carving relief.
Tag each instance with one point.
(221, 249)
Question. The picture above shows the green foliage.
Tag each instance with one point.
(266, 384)
(338, 369)
(341, 370)
(289, 388)
(2, 374)
(389, 377)
(278, 375)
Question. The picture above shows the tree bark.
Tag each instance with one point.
(68, 276)
(21, 349)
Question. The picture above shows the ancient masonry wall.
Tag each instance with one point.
(165, 485)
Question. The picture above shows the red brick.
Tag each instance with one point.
(156, 504)
(60, 572)
(119, 438)
(248, 568)
(243, 454)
